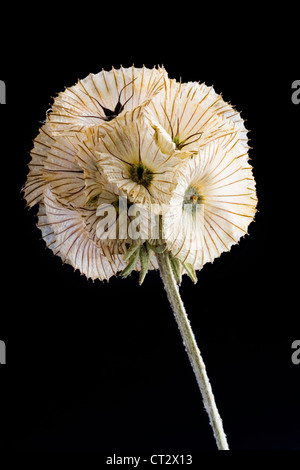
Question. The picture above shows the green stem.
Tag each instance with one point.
(192, 349)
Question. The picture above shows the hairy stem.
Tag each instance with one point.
(192, 349)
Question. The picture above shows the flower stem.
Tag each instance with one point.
(192, 349)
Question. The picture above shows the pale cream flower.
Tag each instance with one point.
(65, 233)
(189, 115)
(131, 159)
(69, 166)
(165, 144)
(213, 203)
(100, 97)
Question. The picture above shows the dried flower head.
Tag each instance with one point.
(176, 153)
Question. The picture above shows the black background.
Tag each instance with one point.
(101, 366)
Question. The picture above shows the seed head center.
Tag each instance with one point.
(192, 196)
(141, 175)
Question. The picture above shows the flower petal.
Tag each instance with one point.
(84, 104)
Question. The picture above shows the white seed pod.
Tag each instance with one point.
(189, 115)
(131, 159)
(67, 165)
(100, 97)
(213, 203)
(65, 234)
